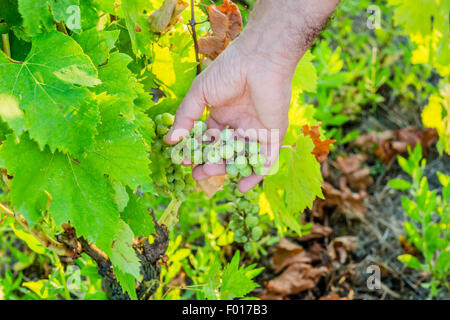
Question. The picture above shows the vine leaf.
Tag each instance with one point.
(119, 151)
(79, 195)
(97, 44)
(296, 184)
(137, 25)
(137, 216)
(37, 14)
(49, 88)
(119, 81)
(167, 15)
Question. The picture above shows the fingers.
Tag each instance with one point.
(208, 170)
(249, 182)
(189, 111)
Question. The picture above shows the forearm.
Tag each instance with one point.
(282, 30)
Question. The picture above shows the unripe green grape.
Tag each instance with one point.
(239, 146)
(197, 157)
(261, 170)
(226, 135)
(239, 233)
(158, 119)
(162, 129)
(257, 233)
(261, 160)
(232, 170)
(241, 162)
(199, 128)
(179, 185)
(192, 144)
(246, 171)
(167, 119)
(248, 246)
(251, 221)
(228, 151)
(157, 146)
(213, 155)
(253, 148)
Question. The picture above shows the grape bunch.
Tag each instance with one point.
(179, 180)
(242, 157)
(244, 222)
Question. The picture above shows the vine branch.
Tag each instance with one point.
(192, 24)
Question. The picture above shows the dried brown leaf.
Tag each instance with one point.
(340, 247)
(167, 15)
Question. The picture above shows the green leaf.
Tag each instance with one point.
(97, 44)
(173, 71)
(119, 82)
(78, 193)
(136, 21)
(46, 96)
(297, 183)
(137, 216)
(123, 256)
(236, 281)
(410, 261)
(37, 17)
(119, 151)
(305, 76)
(120, 195)
(399, 184)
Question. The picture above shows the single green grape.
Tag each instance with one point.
(228, 151)
(158, 119)
(239, 146)
(162, 129)
(257, 233)
(213, 155)
(253, 148)
(246, 171)
(199, 128)
(248, 246)
(241, 162)
(251, 221)
(232, 170)
(261, 170)
(226, 134)
(167, 119)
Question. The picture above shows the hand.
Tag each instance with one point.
(249, 85)
(244, 91)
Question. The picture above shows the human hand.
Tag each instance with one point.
(249, 86)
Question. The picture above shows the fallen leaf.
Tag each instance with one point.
(317, 231)
(389, 144)
(345, 201)
(287, 253)
(340, 247)
(333, 296)
(322, 147)
(167, 15)
(296, 278)
(352, 168)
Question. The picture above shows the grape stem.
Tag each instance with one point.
(192, 24)
(6, 45)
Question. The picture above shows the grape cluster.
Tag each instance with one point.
(245, 219)
(242, 157)
(179, 180)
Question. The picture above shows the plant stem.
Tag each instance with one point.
(6, 44)
(192, 24)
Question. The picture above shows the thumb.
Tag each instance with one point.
(190, 110)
